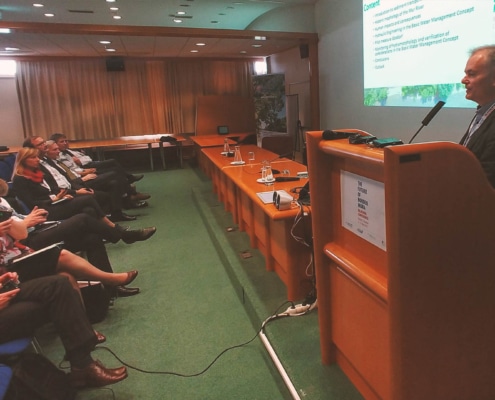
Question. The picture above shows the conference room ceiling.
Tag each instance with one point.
(146, 28)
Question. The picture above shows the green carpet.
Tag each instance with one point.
(199, 297)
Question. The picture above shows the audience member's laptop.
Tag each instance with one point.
(39, 263)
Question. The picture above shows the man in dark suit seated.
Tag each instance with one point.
(108, 188)
(79, 161)
(53, 299)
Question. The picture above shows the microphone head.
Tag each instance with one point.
(433, 112)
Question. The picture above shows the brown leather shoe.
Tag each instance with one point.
(96, 375)
(115, 371)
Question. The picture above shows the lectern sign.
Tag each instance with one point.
(363, 207)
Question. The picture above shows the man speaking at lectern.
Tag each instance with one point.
(479, 81)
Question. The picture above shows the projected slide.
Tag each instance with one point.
(415, 51)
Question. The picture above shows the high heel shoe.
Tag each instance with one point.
(131, 275)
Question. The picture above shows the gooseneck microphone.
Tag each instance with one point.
(429, 117)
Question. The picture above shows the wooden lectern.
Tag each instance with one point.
(404, 241)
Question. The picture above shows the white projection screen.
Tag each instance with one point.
(415, 50)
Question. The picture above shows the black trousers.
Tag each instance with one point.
(48, 299)
(80, 204)
(108, 165)
(115, 186)
(80, 233)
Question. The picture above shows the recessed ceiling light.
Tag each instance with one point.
(200, 44)
(110, 1)
(114, 9)
(194, 51)
(105, 41)
(117, 17)
(12, 49)
(4, 30)
(38, 5)
(256, 45)
(177, 20)
(260, 38)
(181, 13)
(49, 15)
(110, 50)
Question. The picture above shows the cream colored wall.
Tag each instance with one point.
(11, 133)
(294, 19)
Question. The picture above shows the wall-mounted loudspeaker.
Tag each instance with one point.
(115, 64)
(304, 50)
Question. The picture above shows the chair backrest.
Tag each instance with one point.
(281, 144)
(8, 349)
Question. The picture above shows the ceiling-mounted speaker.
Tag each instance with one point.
(115, 64)
(304, 50)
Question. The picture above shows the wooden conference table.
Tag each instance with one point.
(269, 229)
(128, 142)
(204, 141)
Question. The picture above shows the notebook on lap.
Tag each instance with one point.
(37, 264)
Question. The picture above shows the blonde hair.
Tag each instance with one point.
(23, 154)
(4, 188)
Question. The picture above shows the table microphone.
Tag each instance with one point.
(429, 117)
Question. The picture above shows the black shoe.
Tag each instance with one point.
(135, 198)
(138, 235)
(122, 228)
(120, 216)
(123, 291)
(135, 204)
(135, 178)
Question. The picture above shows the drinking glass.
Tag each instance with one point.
(237, 155)
(251, 158)
(268, 175)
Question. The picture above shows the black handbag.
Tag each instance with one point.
(96, 300)
(37, 378)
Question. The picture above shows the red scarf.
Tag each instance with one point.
(35, 176)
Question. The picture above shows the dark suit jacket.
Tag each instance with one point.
(482, 144)
(53, 183)
(31, 193)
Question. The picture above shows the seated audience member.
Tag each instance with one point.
(132, 198)
(53, 299)
(80, 164)
(29, 186)
(82, 160)
(79, 233)
(12, 231)
(108, 190)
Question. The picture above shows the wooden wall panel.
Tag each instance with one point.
(236, 112)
